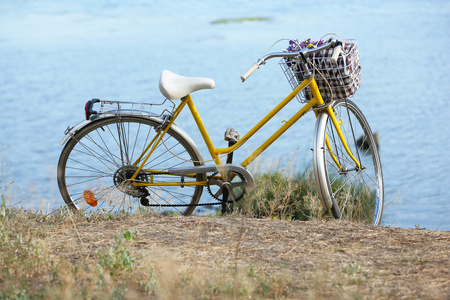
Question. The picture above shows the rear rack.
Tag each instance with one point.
(127, 108)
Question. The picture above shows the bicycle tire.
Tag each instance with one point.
(351, 193)
(97, 157)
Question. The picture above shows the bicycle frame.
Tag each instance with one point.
(316, 103)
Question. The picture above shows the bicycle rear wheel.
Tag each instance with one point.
(352, 193)
(99, 157)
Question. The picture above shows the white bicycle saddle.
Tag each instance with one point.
(174, 86)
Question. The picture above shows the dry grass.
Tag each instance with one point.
(123, 256)
(129, 256)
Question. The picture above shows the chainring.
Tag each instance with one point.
(236, 182)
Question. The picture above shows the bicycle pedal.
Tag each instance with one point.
(232, 134)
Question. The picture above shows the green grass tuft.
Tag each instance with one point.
(280, 195)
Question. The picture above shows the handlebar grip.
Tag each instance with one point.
(337, 50)
(250, 72)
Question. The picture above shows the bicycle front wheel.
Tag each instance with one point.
(97, 161)
(352, 193)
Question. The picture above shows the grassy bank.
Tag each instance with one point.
(103, 256)
(277, 244)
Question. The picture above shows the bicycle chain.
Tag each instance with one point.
(183, 205)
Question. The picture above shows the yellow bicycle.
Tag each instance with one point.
(125, 156)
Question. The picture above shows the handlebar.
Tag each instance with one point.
(337, 50)
(250, 71)
(306, 52)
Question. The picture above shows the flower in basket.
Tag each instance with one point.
(295, 45)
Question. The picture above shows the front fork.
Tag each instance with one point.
(337, 126)
(321, 106)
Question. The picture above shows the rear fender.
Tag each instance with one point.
(72, 131)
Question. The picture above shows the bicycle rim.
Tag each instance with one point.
(95, 161)
(355, 194)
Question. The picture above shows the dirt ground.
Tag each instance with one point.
(316, 258)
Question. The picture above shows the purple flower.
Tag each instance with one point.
(295, 45)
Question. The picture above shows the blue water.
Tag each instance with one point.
(55, 55)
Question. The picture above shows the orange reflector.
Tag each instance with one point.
(90, 198)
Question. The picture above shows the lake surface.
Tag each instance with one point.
(56, 55)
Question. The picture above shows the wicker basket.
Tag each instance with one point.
(335, 81)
